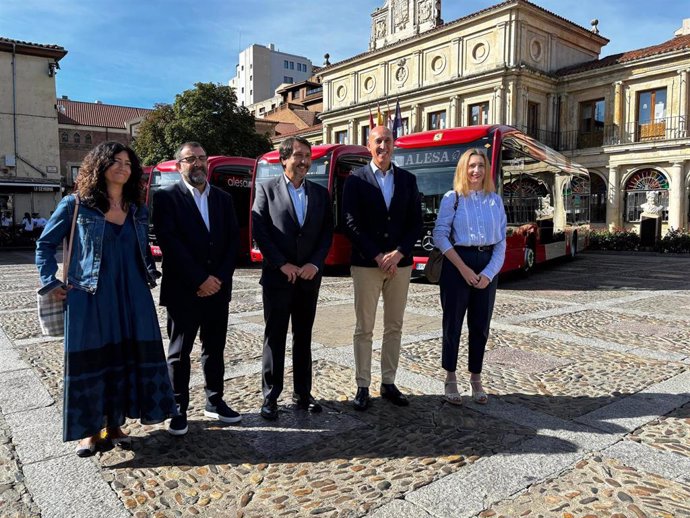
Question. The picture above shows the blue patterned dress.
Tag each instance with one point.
(114, 360)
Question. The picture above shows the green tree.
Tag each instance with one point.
(209, 114)
(150, 144)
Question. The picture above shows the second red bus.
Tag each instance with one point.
(331, 164)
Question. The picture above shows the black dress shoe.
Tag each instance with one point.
(306, 402)
(362, 399)
(269, 410)
(392, 394)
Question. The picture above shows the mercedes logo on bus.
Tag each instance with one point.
(428, 243)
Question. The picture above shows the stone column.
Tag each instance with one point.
(351, 131)
(456, 45)
(676, 201)
(385, 73)
(618, 112)
(683, 103)
(420, 68)
(327, 96)
(453, 112)
(499, 108)
(326, 134)
(613, 200)
(415, 126)
(563, 115)
(551, 113)
(354, 86)
(511, 103)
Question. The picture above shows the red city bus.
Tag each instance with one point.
(229, 173)
(546, 196)
(330, 166)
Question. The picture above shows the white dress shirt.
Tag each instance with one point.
(201, 200)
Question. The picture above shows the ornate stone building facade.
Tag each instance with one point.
(623, 116)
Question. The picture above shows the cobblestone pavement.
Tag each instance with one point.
(588, 367)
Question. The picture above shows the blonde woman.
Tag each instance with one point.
(471, 232)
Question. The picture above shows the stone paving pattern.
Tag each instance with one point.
(571, 342)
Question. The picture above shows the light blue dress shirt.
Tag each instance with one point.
(385, 181)
(479, 221)
(298, 195)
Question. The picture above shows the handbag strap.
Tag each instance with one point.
(455, 210)
(66, 260)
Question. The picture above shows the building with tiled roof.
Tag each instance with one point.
(295, 109)
(83, 125)
(29, 149)
(624, 117)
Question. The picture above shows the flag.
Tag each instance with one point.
(379, 116)
(371, 120)
(397, 121)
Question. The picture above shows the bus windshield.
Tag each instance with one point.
(434, 169)
(162, 179)
(318, 172)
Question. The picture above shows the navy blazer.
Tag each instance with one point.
(375, 229)
(190, 252)
(277, 232)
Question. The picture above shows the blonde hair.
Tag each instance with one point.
(461, 183)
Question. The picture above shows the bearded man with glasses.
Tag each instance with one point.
(198, 233)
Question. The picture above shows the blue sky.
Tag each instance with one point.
(141, 52)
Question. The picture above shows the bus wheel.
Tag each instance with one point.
(528, 264)
(573, 244)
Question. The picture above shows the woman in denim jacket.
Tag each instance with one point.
(114, 360)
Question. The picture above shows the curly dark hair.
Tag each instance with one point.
(91, 185)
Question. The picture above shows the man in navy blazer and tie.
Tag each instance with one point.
(292, 222)
(383, 218)
(197, 229)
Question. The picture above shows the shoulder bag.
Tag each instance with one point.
(434, 264)
(51, 311)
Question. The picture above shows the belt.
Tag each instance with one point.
(483, 248)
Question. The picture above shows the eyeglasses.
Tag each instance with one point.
(299, 156)
(191, 159)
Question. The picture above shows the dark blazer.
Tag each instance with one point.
(277, 232)
(372, 227)
(190, 252)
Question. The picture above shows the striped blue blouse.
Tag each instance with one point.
(480, 220)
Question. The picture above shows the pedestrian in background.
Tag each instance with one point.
(114, 359)
(198, 233)
(471, 232)
(292, 222)
(27, 225)
(383, 218)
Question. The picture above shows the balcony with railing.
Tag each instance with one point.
(663, 129)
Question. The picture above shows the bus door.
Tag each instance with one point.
(341, 249)
(236, 180)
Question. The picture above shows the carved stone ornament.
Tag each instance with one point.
(426, 10)
(401, 14)
(380, 28)
(401, 74)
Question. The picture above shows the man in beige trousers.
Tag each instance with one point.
(383, 217)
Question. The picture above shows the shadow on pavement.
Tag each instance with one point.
(428, 428)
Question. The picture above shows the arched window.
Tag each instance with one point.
(576, 196)
(77, 138)
(65, 137)
(636, 189)
(522, 198)
(87, 139)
